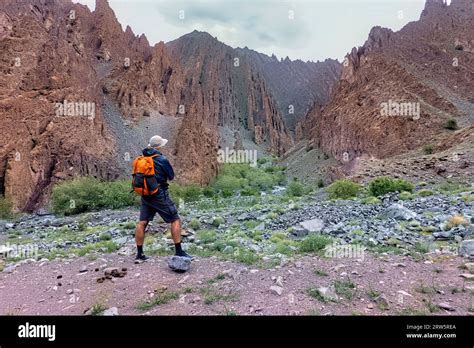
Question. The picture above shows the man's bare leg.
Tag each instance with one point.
(140, 237)
(176, 235)
(176, 231)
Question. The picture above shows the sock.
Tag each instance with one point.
(139, 249)
(178, 249)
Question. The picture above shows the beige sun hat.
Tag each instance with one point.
(157, 141)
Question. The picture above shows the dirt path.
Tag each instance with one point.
(215, 287)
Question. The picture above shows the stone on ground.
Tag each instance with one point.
(179, 264)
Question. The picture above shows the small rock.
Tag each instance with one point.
(370, 306)
(111, 312)
(469, 266)
(328, 293)
(312, 226)
(69, 291)
(382, 302)
(279, 281)
(467, 276)
(467, 248)
(276, 290)
(446, 306)
(399, 212)
(9, 269)
(179, 264)
(83, 269)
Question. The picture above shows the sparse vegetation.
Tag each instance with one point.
(451, 124)
(295, 189)
(314, 243)
(5, 208)
(343, 189)
(345, 288)
(194, 224)
(428, 149)
(456, 220)
(425, 193)
(87, 194)
(98, 309)
(383, 185)
(157, 300)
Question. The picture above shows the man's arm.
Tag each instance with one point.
(168, 168)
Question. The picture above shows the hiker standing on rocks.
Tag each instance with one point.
(155, 199)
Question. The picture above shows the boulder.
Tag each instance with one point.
(399, 212)
(467, 248)
(309, 226)
(179, 264)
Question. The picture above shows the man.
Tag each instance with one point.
(160, 202)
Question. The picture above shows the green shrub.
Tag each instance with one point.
(5, 208)
(250, 191)
(208, 191)
(425, 193)
(227, 193)
(229, 183)
(314, 243)
(295, 189)
(343, 189)
(191, 193)
(86, 194)
(320, 183)
(218, 221)
(451, 124)
(405, 196)
(383, 185)
(194, 224)
(428, 149)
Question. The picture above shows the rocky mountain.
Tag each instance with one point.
(296, 85)
(398, 90)
(80, 96)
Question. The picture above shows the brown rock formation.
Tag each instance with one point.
(419, 64)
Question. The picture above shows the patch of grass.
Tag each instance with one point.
(425, 193)
(345, 288)
(423, 289)
(370, 200)
(219, 277)
(314, 243)
(211, 296)
(456, 220)
(246, 257)
(468, 198)
(98, 309)
(428, 149)
(194, 224)
(373, 294)
(105, 246)
(218, 221)
(6, 207)
(343, 189)
(451, 124)
(315, 293)
(207, 236)
(422, 248)
(383, 185)
(157, 300)
(295, 189)
(320, 272)
(432, 307)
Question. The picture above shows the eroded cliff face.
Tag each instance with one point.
(45, 61)
(427, 64)
(228, 90)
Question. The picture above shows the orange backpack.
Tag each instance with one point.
(144, 181)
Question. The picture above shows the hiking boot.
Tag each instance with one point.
(141, 258)
(183, 253)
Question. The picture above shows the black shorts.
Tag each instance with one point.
(160, 203)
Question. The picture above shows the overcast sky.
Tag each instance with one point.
(301, 29)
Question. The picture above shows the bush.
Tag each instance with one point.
(405, 196)
(218, 221)
(229, 183)
(86, 194)
(425, 193)
(428, 149)
(295, 189)
(451, 124)
(320, 183)
(250, 191)
(194, 224)
(314, 243)
(208, 191)
(5, 208)
(191, 193)
(383, 185)
(343, 189)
